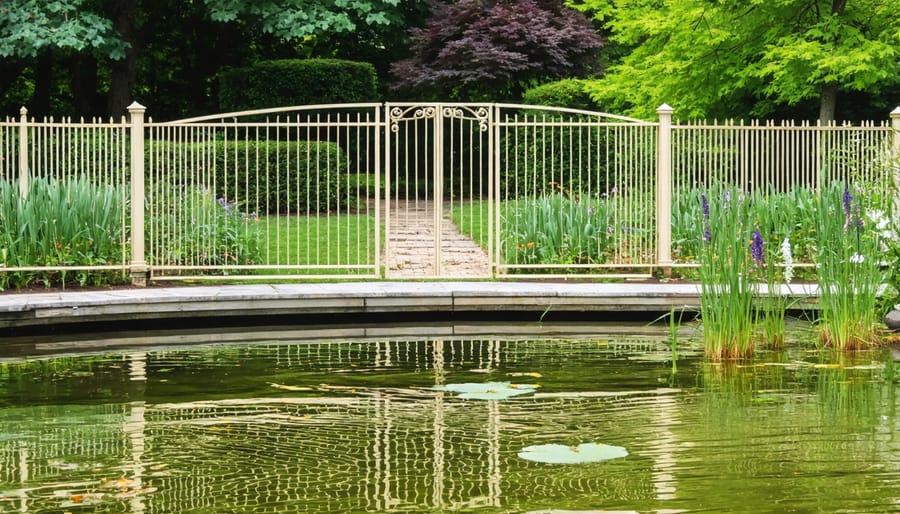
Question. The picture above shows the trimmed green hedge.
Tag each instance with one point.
(264, 177)
(297, 82)
(569, 93)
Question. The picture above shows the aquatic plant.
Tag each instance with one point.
(726, 297)
(773, 270)
(849, 268)
(488, 390)
(562, 454)
(776, 301)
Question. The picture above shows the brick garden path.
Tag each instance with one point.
(411, 245)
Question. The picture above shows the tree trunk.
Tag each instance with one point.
(43, 84)
(828, 103)
(828, 100)
(84, 85)
(123, 71)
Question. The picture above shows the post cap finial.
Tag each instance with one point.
(896, 112)
(23, 111)
(665, 109)
(135, 107)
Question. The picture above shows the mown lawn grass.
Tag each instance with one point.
(333, 241)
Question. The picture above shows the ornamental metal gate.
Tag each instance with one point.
(493, 190)
(439, 178)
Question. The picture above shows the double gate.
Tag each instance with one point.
(400, 190)
(440, 190)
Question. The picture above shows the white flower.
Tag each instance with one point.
(882, 224)
(857, 258)
(788, 259)
(878, 219)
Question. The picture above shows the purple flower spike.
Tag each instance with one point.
(848, 199)
(756, 249)
(705, 205)
(707, 235)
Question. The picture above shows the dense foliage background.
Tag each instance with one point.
(807, 59)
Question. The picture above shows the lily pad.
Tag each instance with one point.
(487, 390)
(562, 454)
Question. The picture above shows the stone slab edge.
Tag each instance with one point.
(341, 298)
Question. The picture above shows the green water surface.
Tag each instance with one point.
(353, 426)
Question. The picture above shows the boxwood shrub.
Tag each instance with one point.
(297, 82)
(262, 177)
(569, 93)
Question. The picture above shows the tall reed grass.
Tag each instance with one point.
(71, 223)
(777, 218)
(849, 268)
(726, 263)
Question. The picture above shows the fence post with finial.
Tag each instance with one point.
(139, 269)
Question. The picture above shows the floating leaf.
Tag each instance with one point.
(137, 491)
(562, 454)
(488, 390)
(328, 387)
(290, 387)
(533, 374)
(119, 483)
(82, 499)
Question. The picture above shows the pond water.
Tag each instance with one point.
(357, 426)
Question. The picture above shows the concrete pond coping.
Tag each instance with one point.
(346, 299)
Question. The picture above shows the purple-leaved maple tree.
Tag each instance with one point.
(483, 49)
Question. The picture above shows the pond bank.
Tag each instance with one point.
(349, 300)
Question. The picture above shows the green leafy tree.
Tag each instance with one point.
(296, 19)
(28, 27)
(715, 58)
(39, 34)
(96, 56)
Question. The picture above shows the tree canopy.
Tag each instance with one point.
(294, 19)
(716, 58)
(96, 56)
(707, 58)
(496, 48)
(28, 27)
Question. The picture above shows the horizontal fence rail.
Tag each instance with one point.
(398, 190)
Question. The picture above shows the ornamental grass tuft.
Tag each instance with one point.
(726, 263)
(559, 227)
(71, 223)
(850, 272)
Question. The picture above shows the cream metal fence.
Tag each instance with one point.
(424, 190)
(583, 183)
(67, 152)
(283, 193)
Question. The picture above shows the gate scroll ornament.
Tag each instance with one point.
(398, 114)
